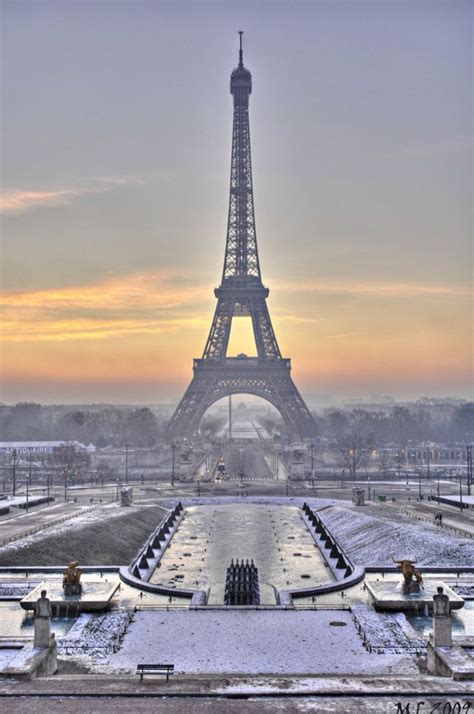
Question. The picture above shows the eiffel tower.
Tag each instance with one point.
(241, 293)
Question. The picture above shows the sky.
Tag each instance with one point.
(116, 132)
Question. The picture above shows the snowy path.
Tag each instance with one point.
(252, 642)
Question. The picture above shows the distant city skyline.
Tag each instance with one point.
(116, 131)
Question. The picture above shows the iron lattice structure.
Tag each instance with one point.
(241, 293)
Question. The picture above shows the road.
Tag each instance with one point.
(248, 460)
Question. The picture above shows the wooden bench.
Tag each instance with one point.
(155, 669)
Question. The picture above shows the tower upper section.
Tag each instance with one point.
(241, 78)
(241, 264)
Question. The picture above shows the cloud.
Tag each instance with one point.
(380, 290)
(17, 202)
(163, 301)
(139, 302)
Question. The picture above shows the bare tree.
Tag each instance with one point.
(352, 447)
(384, 459)
(105, 472)
(69, 462)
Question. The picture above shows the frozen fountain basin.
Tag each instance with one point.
(96, 595)
(388, 595)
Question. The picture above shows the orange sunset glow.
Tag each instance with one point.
(116, 192)
(143, 329)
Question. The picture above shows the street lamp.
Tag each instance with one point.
(173, 449)
(29, 475)
(419, 484)
(368, 479)
(469, 468)
(438, 486)
(126, 463)
(14, 472)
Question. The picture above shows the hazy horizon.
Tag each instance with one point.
(115, 171)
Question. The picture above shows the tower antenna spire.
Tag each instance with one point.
(241, 62)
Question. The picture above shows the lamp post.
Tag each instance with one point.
(428, 462)
(419, 484)
(469, 468)
(312, 463)
(126, 463)
(438, 486)
(27, 495)
(173, 449)
(14, 472)
(368, 480)
(29, 473)
(460, 490)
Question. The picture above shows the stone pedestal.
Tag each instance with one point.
(410, 588)
(442, 634)
(42, 632)
(72, 588)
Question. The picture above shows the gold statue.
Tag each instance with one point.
(71, 578)
(413, 580)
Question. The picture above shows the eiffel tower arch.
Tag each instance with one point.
(241, 293)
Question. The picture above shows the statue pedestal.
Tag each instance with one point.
(410, 588)
(442, 634)
(42, 632)
(72, 588)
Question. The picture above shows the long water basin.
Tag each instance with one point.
(274, 537)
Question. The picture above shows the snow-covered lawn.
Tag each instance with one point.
(258, 642)
(373, 535)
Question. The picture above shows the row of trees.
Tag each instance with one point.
(108, 426)
(397, 427)
(401, 424)
(117, 426)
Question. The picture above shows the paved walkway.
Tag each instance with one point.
(245, 641)
(220, 695)
(461, 522)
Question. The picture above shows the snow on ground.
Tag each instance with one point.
(246, 641)
(270, 500)
(467, 500)
(373, 535)
(17, 590)
(465, 590)
(386, 632)
(81, 520)
(96, 635)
